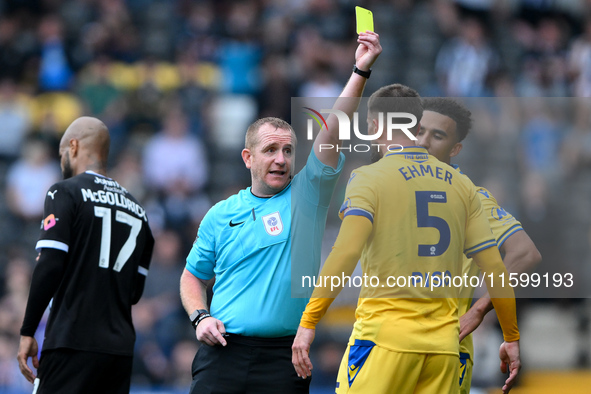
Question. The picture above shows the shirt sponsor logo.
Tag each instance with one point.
(52, 194)
(110, 185)
(49, 222)
(273, 223)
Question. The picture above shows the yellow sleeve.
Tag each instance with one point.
(502, 223)
(360, 196)
(353, 235)
(478, 233)
(502, 297)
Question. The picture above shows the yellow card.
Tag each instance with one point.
(364, 19)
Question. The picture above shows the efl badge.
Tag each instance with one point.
(273, 223)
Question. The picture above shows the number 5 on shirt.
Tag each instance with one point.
(423, 198)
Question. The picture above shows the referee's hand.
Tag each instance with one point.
(27, 348)
(300, 350)
(210, 331)
(368, 50)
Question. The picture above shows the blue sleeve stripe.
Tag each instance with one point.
(480, 247)
(512, 230)
(359, 212)
(344, 206)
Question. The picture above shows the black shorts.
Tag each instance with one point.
(71, 371)
(247, 365)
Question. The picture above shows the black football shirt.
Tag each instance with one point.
(105, 233)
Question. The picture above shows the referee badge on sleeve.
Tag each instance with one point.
(273, 223)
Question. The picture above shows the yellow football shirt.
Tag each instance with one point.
(425, 217)
(502, 225)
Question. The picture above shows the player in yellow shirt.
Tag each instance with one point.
(444, 126)
(410, 217)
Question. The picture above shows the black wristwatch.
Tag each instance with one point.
(364, 74)
(197, 316)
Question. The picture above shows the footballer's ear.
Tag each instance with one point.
(247, 157)
(456, 149)
(74, 146)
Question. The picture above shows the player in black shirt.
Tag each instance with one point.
(95, 250)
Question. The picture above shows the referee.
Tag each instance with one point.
(94, 253)
(246, 242)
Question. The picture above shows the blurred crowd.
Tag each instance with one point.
(178, 81)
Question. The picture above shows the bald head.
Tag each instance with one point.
(85, 146)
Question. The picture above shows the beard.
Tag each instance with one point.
(67, 170)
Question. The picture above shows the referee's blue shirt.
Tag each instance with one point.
(244, 241)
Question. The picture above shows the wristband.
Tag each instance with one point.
(364, 74)
(202, 317)
(196, 315)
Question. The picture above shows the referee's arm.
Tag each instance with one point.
(210, 330)
(366, 54)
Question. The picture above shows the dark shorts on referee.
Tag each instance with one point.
(247, 365)
(68, 371)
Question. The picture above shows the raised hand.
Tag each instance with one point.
(368, 50)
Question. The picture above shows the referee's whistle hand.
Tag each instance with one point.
(300, 352)
(27, 348)
(210, 331)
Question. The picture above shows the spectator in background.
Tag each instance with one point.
(579, 62)
(16, 47)
(52, 112)
(128, 171)
(198, 80)
(277, 89)
(578, 146)
(240, 55)
(99, 94)
(55, 72)
(161, 322)
(12, 308)
(541, 141)
(14, 118)
(320, 84)
(182, 355)
(175, 167)
(465, 62)
(104, 100)
(544, 66)
(14, 301)
(162, 290)
(28, 180)
(174, 160)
